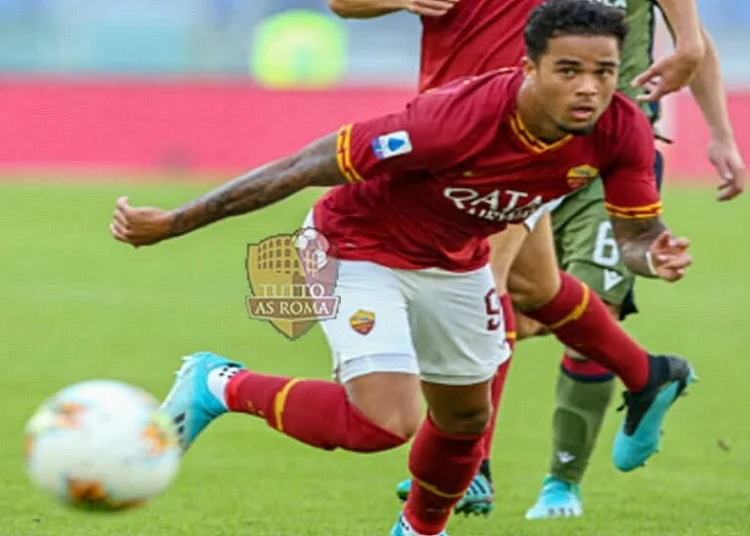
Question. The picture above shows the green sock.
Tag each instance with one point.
(579, 411)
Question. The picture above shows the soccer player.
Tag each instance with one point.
(417, 193)
(462, 38)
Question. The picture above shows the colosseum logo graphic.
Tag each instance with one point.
(292, 279)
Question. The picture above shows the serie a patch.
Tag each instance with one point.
(392, 144)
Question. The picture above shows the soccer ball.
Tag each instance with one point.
(101, 446)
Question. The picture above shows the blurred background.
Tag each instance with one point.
(155, 98)
(212, 85)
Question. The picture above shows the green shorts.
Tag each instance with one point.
(586, 247)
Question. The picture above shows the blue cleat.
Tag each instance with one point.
(479, 499)
(557, 499)
(403, 528)
(403, 488)
(640, 434)
(190, 403)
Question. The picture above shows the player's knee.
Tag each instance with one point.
(528, 327)
(389, 400)
(465, 421)
(401, 420)
(529, 292)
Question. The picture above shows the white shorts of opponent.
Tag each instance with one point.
(547, 208)
(446, 327)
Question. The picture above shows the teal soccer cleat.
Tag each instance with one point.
(190, 403)
(403, 528)
(639, 435)
(479, 499)
(557, 499)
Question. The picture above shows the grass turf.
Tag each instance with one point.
(78, 305)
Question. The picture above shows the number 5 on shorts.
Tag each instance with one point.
(493, 309)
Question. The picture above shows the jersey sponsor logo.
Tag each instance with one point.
(292, 278)
(580, 176)
(392, 144)
(496, 206)
(362, 321)
(612, 279)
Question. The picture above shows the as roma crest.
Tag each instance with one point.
(362, 321)
(292, 279)
(580, 176)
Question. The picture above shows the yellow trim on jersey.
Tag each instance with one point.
(577, 311)
(638, 213)
(280, 402)
(529, 140)
(344, 156)
(510, 335)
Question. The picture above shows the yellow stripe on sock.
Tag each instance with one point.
(577, 311)
(280, 402)
(435, 491)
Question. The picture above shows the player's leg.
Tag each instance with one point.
(457, 327)
(581, 320)
(586, 250)
(479, 498)
(377, 408)
(444, 456)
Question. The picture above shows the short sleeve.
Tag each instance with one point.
(630, 189)
(436, 131)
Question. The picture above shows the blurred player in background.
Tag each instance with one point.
(469, 37)
(412, 249)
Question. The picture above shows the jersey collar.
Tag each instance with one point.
(531, 142)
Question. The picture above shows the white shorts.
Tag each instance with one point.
(447, 327)
(546, 208)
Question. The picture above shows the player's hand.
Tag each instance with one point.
(669, 256)
(667, 75)
(726, 158)
(139, 226)
(430, 8)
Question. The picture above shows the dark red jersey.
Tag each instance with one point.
(431, 182)
(475, 37)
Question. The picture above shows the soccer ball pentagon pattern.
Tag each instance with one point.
(101, 445)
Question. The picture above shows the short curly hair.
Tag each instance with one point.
(556, 18)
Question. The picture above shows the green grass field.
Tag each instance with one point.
(77, 305)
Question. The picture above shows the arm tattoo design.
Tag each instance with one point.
(315, 165)
(634, 237)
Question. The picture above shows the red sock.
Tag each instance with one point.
(585, 370)
(498, 382)
(442, 466)
(315, 412)
(497, 387)
(579, 318)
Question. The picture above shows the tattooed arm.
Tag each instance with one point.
(648, 248)
(315, 165)
(419, 137)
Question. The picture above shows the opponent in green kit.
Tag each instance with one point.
(587, 249)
